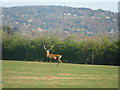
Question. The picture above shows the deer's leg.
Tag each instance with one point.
(58, 63)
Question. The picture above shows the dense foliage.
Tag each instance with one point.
(85, 51)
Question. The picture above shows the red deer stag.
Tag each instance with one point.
(52, 56)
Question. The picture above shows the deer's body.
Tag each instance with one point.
(53, 56)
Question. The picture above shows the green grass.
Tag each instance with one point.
(26, 74)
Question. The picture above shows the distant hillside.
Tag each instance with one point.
(57, 18)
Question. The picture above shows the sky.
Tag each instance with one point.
(111, 5)
(60, 0)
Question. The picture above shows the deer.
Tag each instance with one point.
(52, 56)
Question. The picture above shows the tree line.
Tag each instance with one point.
(101, 51)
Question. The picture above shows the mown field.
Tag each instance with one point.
(26, 74)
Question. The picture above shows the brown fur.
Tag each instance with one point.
(53, 56)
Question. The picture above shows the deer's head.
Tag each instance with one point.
(47, 51)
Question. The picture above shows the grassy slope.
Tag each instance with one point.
(25, 74)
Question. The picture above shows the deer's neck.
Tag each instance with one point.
(47, 53)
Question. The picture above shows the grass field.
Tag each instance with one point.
(26, 74)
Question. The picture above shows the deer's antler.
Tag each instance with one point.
(51, 47)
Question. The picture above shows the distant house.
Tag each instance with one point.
(29, 25)
(81, 16)
(30, 20)
(17, 22)
(112, 31)
(24, 23)
(114, 19)
(2, 15)
(65, 14)
(107, 17)
(89, 33)
(39, 29)
(92, 17)
(68, 14)
(74, 15)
